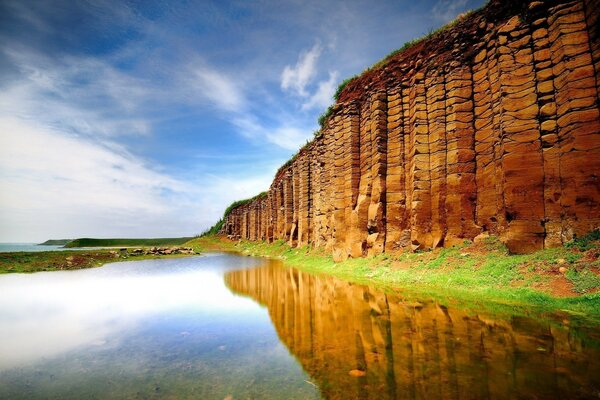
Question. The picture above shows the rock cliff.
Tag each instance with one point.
(490, 125)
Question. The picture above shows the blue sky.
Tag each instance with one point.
(147, 118)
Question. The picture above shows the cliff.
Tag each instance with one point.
(415, 350)
(490, 125)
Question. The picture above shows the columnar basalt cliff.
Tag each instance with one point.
(412, 350)
(489, 126)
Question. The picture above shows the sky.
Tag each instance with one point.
(147, 118)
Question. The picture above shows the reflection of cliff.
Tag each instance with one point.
(413, 350)
(491, 125)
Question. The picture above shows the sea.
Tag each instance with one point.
(16, 247)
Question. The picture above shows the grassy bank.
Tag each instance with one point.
(565, 279)
(24, 262)
(91, 242)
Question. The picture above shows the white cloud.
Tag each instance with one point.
(447, 10)
(323, 96)
(288, 137)
(80, 94)
(54, 183)
(284, 134)
(49, 177)
(218, 88)
(296, 78)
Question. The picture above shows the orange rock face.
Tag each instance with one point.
(490, 126)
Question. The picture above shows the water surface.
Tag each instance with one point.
(19, 247)
(216, 326)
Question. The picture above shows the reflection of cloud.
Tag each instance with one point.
(47, 314)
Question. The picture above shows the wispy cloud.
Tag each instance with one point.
(447, 10)
(322, 97)
(222, 91)
(296, 78)
(81, 94)
(54, 181)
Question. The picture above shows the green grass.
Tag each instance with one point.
(475, 275)
(91, 242)
(585, 242)
(55, 242)
(26, 262)
(386, 60)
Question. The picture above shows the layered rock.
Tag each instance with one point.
(492, 125)
(357, 342)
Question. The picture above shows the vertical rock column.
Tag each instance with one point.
(420, 169)
(304, 198)
(351, 173)
(396, 223)
(578, 121)
(288, 205)
(436, 114)
(461, 187)
(359, 219)
(340, 160)
(328, 186)
(488, 176)
(316, 168)
(592, 12)
(546, 99)
(522, 159)
(377, 208)
(295, 203)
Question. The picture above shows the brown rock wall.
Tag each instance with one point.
(492, 125)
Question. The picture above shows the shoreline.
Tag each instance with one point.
(474, 275)
(65, 260)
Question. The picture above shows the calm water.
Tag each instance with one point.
(224, 326)
(14, 247)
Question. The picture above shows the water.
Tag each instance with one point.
(216, 326)
(16, 247)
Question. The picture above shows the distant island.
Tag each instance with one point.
(92, 242)
(55, 242)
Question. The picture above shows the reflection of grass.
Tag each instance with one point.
(475, 273)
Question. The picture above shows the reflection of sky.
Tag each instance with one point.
(46, 314)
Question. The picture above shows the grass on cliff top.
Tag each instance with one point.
(385, 60)
(478, 274)
(91, 242)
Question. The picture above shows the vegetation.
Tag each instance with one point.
(565, 278)
(90, 242)
(383, 62)
(585, 242)
(55, 242)
(36, 261)
(216, 228)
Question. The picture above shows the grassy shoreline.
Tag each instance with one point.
(126, 242)
(38, 261)
(553, 281)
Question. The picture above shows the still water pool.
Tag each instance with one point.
(229, 327)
